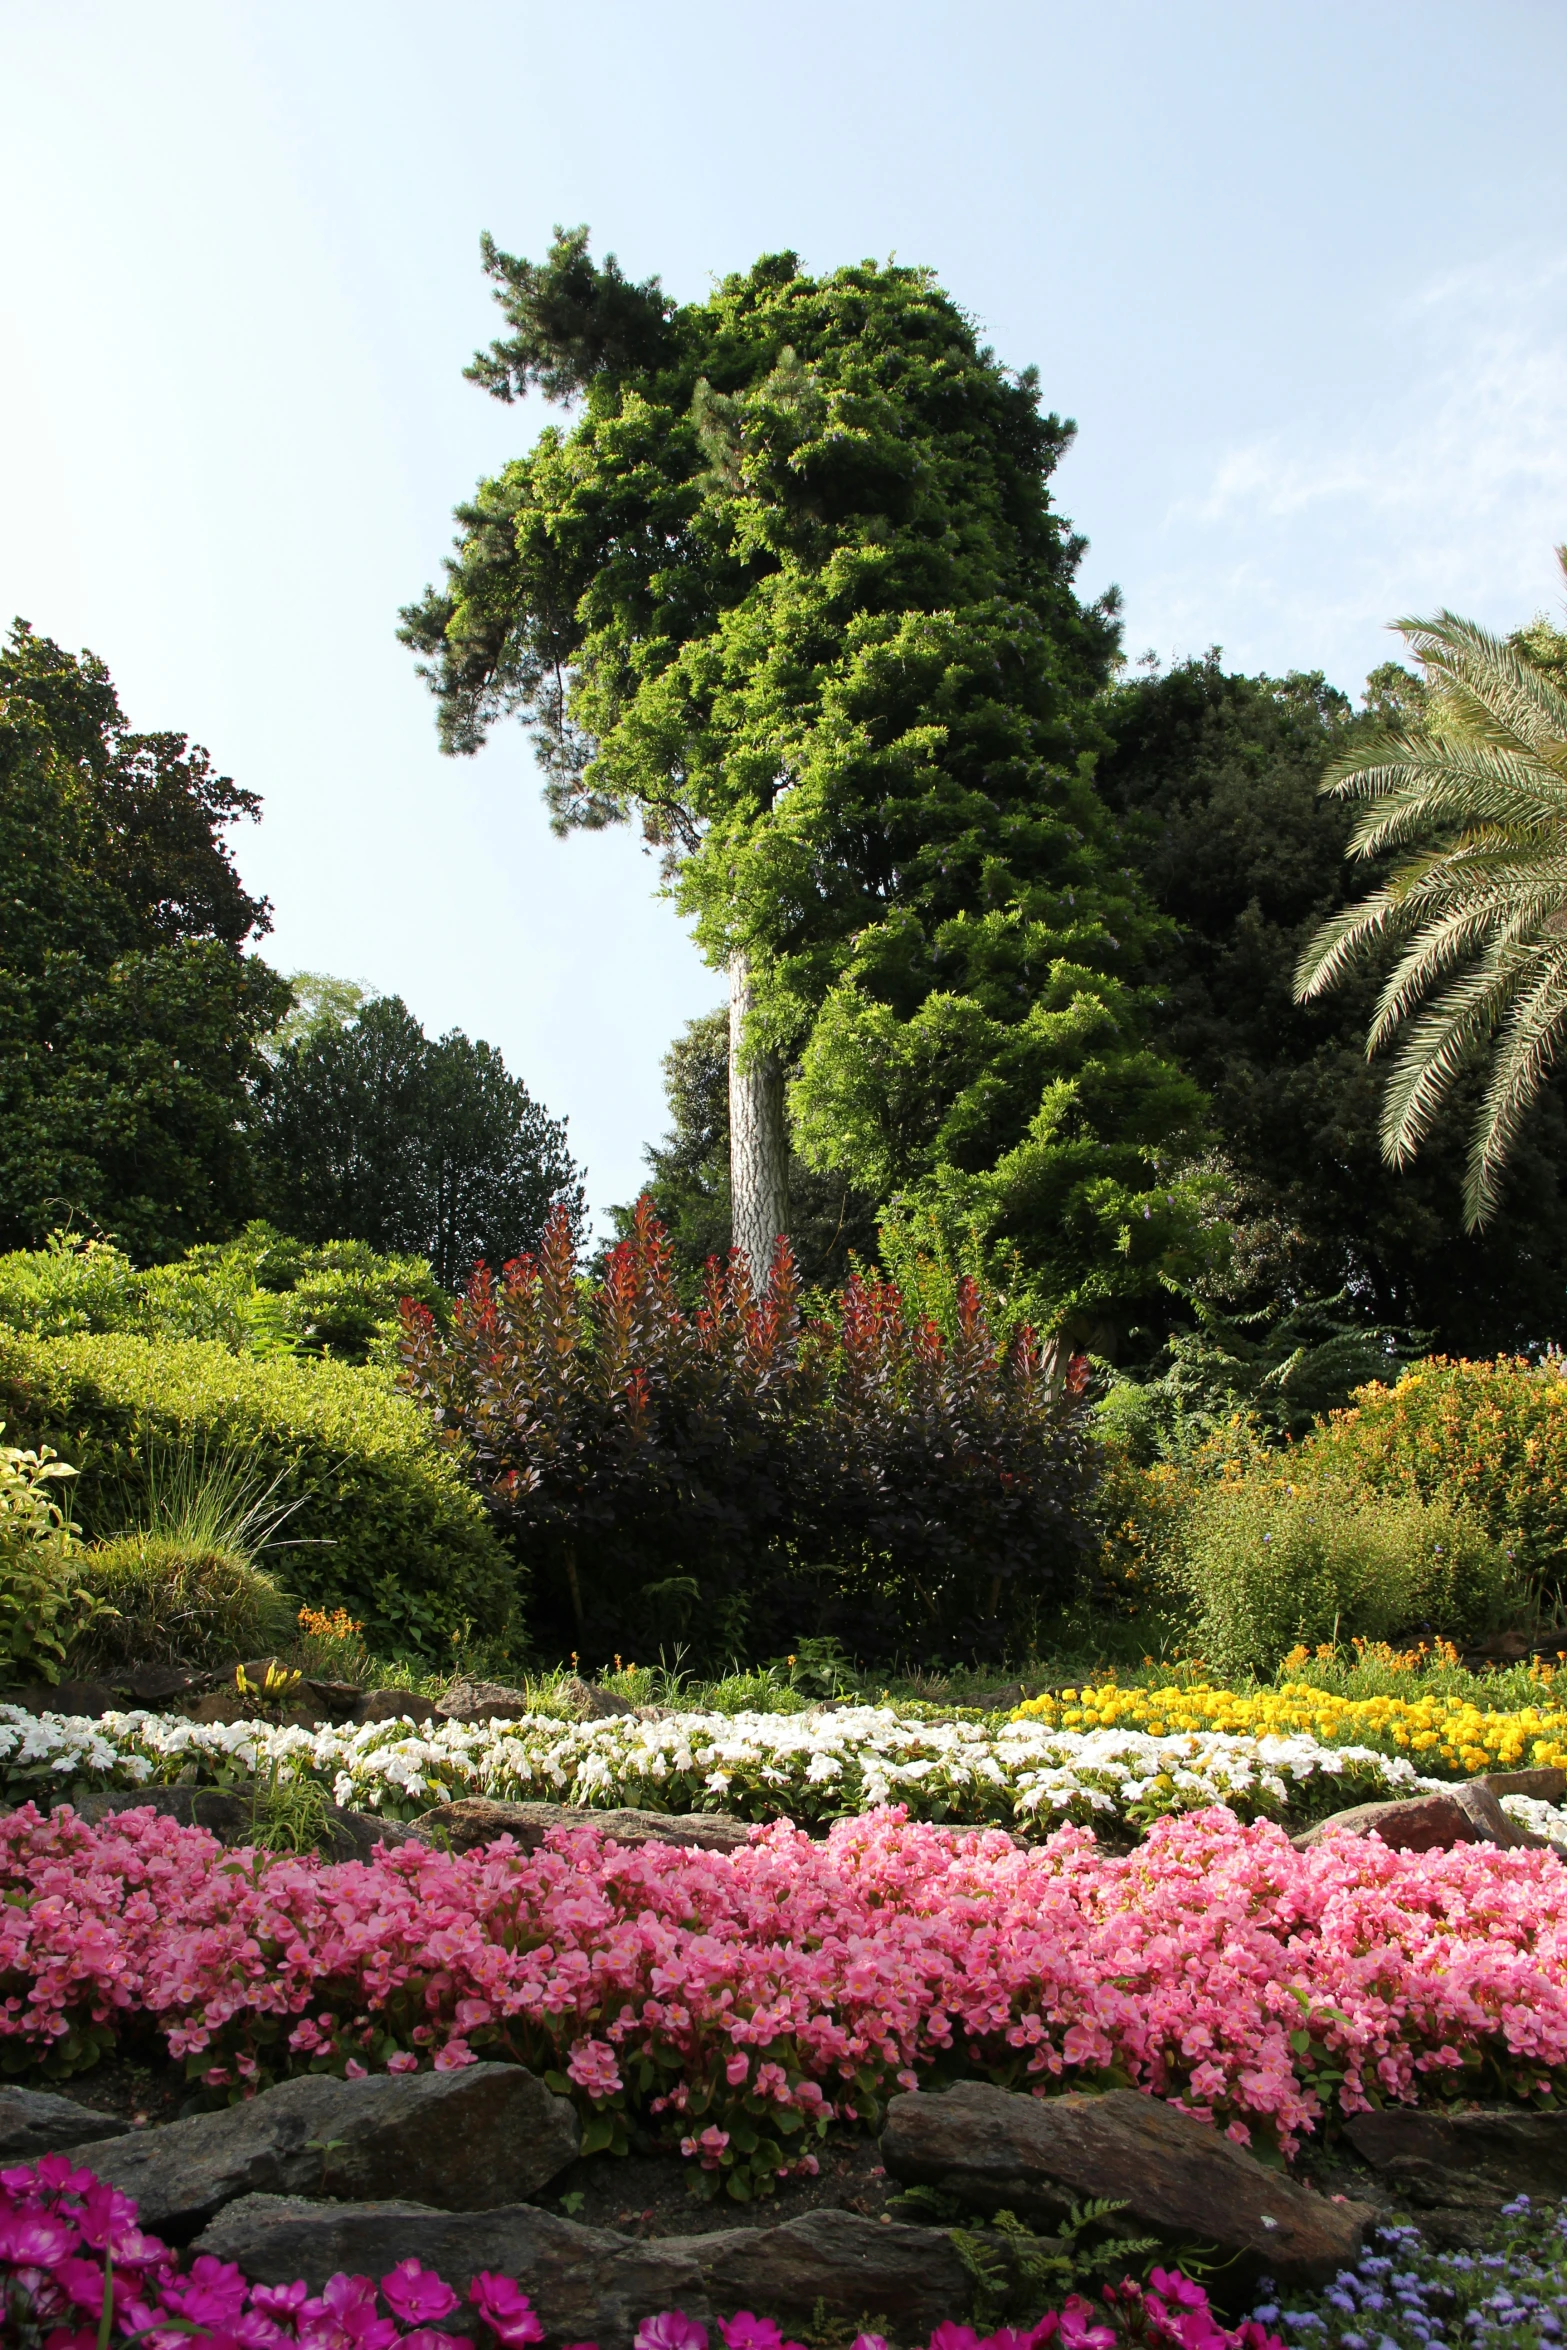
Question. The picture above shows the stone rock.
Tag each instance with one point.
(483, 1701)
(393, 1705)
(909, 2277)
(1467, 1814)
(1546, 1785)
(32, 2122)
(478, 1819)
(78, 1700)
(1001, 2149)
(466, 2140)
(587, 2284)
(1433, 2158)
(349, 1835)
(998, 1701)
(226, 1816)
(592, 1704)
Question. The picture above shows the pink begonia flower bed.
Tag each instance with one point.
(62, 2232)
(737, 2003)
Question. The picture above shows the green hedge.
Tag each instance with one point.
(387, 1526)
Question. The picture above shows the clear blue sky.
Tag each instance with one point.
(1299, 272)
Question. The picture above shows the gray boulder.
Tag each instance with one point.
(393, 1705)
(467, 2140)
(587, 2284)
(347, 1835)
(1438, 2158)
(909, 2278)
(1001, 2149)
(1468, 1814)
(32, 2122)
(478, 1819)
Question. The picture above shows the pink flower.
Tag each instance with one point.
(417, 2295)
(505, 2308)
(670, 2330)
(404, 2061)
(592, 2066)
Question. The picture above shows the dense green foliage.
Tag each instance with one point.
(1214, 781)
(792, 591)
(386, 1523)
(739, 1477)
(44, 1603)
(261, 1293)
(130, 1017)
(1282, 1552)
(1470, 799)
(369, 1130)
(688, 1172)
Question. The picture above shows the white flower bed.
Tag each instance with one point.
(1542, 1819)
(810, 1766)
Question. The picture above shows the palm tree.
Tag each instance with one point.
(1477, 793)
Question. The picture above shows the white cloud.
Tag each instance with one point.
(1447, 487)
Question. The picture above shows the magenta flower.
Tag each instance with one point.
(36, 2239)
(670, 2330)
(745, 2332)
(417, 2295)
(505, 2309)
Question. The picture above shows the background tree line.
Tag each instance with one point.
(159, 1081)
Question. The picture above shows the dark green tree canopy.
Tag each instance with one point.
(129, 1016)
(369, 1130)
(790, 589)
(1214, 780)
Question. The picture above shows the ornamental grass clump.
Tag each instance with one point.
(169, 1600)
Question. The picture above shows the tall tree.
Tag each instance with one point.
(130, 1016)
(790, 591)
(829, 1222)
(370, 1130)
(1213, 779)
(1476, 797)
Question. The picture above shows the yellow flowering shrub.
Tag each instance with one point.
(1492, 1435)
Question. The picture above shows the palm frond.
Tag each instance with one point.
(1437, 949)
(1499, 685)
(1524, 1060)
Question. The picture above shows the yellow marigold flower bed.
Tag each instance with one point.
(1433, 1731)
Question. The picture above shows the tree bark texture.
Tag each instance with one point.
(758, 1136)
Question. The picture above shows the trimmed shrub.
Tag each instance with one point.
(386, 1523)
(261, 1293)
(1269, 1560)
(1492, 1435)
(169, 1601)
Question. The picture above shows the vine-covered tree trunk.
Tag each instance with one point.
(758, 1136)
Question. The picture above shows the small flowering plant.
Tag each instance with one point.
(78, 2273)
(1404, 2295)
